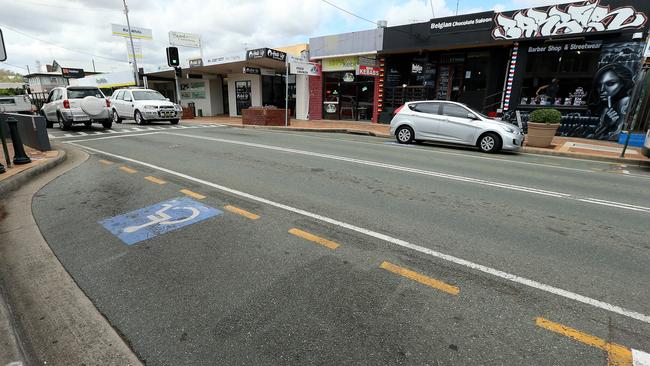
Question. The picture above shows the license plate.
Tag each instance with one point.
(82, 118)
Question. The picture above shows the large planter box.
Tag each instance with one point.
(541, 134)
(263, 117)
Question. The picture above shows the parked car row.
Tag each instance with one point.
(72, 105)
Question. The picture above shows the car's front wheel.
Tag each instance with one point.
(138, 118)
(174, 121)
(405, 135)
(489, 143)
(116, 117)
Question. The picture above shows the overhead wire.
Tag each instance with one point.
(59, 46)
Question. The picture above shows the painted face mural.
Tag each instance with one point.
(609, 85)
(613, 83)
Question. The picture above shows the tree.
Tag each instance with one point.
(8, 76)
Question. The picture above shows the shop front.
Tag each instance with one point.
(581, 58)
(349, 88)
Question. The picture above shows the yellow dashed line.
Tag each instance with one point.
(105, 162)
(316, 239)
(154, 180)
(244, 213)
(128, 170)
(617, 355)
(192, 194)
(420, 278)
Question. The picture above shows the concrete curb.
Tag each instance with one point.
(19, 179)
(631, 162)
(56, 321)
(525, 150)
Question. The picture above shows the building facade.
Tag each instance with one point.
(581, 58)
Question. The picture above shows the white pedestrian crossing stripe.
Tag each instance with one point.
(54, 135)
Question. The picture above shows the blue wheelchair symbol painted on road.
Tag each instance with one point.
(148, 222)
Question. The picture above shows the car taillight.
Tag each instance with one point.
(66, 104)
(398, 109)
(108, 103)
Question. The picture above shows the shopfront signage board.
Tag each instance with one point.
(266, 53)
(224, 59)
(3, 51)
(340, 63)
(566, 47)
(184, 39)
(367, 70)
(136, 32)
(462, 23)
(304, 68)
(195, 62)
(251, 70)
(70, 73)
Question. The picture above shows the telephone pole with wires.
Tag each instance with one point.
(136, 78)
(433, 14)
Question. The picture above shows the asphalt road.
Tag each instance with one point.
(354, 250)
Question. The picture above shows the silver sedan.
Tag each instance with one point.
(455, 123)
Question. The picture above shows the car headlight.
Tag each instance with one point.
(150, 107)
(177, 107)
(508, 129)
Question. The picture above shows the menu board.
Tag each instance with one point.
(443, 83)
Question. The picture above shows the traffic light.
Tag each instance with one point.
(172, 57)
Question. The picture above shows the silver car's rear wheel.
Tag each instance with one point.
(404, 135)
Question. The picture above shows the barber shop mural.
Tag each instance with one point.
(580, 58)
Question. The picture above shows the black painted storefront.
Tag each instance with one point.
(592, 47)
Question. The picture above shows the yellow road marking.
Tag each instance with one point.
(154, 180)
(192, 194)
(617, 355)
(105, 162)
(421, 278)
(244, 213)
(128, 170)
(316, 239)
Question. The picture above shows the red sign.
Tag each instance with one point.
(367, 70)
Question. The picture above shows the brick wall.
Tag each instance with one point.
(316, 97)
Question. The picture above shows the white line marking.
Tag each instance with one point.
(137, 129)
(384, 165)
(69, 135)
(112, 131)
(119, 131)
(113, 137)
(402, 243)
(513, 187)
(640, 358)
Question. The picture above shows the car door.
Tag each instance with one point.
(50, 106)
(457, 125)
(116, 102)
(47, 106)
(426, 119)
(127, 105)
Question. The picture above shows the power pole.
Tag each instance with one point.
(135, 63)
(94, 70)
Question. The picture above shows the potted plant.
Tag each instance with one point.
(542, 125)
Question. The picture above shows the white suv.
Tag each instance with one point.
(143, 106)
(77, 104)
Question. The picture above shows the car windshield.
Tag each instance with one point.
(147, 95)
(82, 93)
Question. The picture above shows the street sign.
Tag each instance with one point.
(139, 33)
(184, 39)
(146, 223)
(304, 68)
(3, 52)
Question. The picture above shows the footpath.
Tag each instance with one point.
(561, 146)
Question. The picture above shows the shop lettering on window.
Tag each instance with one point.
(585, 18)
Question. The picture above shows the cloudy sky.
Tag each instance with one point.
(74, 32)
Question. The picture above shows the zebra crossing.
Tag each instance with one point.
(120, 130)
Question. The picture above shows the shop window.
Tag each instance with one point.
(475, 76)
(348, 96)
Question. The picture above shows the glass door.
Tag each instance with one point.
(242, 95)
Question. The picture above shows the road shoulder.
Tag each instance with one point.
(57, 322)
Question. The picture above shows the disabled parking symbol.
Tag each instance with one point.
(148, 222)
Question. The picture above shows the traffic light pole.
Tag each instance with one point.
(177, 70)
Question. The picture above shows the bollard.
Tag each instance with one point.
(20, 157)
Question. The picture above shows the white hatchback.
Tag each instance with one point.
(455, 123)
